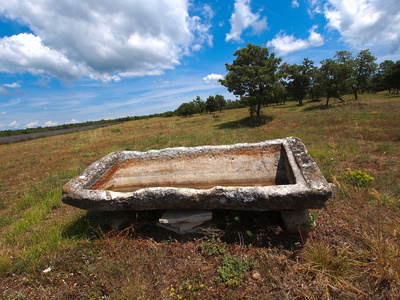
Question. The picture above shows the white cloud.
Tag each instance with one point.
(12, 85)
(208, 12)
(72, 39)
(315, 39)
(3, 113)
(13, 124)
(295, 3)
(73, 121)
(49, 123)
(25, 52)
(316, 7)
(242, 18)
(32, 124)
(212, 78)
(284, 44)
(366, 22)
(140, 74)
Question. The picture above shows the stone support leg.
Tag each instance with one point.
(294, 219)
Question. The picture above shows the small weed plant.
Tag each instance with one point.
(233, 269)
(311, 220)
(212, 246)
(358, 178)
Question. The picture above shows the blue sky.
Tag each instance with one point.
(66, 61)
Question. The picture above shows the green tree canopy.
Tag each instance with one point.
(364, 68)
(211, 104)
(220, 102)
(299, 79)
(253, 75)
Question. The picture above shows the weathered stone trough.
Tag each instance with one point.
(271, 175)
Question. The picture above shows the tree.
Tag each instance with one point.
(210, 104)
(393, 76)
(344, 72)
(220, 102)
(186, 109)
(200, 105)
(384, 74)
(364, 68)
(298, 79)
(330, 79)
(280, 93)
(252, 75)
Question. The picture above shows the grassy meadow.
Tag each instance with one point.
(49, 250)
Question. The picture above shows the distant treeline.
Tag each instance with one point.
(195, 106)
(213, 103)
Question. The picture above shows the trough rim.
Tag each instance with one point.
(310, 191)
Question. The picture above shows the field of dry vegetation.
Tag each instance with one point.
(49, 250)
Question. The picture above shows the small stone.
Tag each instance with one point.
(255, 275)
(294, 219)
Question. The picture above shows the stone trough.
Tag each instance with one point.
(271, 175)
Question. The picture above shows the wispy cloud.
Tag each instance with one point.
(4, 92)
(13, 124)
(12, 85)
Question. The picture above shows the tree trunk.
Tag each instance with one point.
(258, 108)
(355, 93)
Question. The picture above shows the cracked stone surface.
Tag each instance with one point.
(271, 175)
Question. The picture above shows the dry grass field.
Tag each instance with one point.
(49, 250)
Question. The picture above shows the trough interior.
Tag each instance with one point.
(258, 166)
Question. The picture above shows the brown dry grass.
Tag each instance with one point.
(352, 253)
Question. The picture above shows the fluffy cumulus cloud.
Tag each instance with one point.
(242, 18)
(366, 22)
(363, 23)
(212, 78)
(72, 39)
(26, 52)
(284, 44)
(32, 124)
(49, 123)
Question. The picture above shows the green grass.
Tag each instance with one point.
(353, 252)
